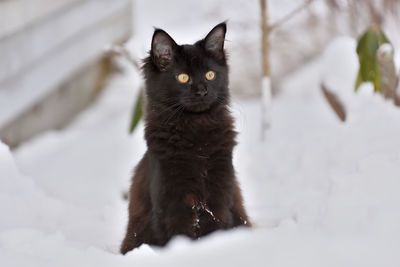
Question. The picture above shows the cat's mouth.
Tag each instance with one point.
(196, 106)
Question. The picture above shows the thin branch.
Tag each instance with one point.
(265, 37)
(121, 50)
(290, 15)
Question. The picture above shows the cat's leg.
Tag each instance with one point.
(179, 217)
(220, 186)
(226, 193)
(216, 213)
(239, 214)
(138, 230)
(225, 206)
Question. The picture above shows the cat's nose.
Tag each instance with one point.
(201, 93)
(201, 90)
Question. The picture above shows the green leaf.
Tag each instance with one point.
(383, 39)
(137, 111)
(358, 81)
(377, 79)
(367, 48)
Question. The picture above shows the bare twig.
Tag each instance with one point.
(333, 4)
(335, 103)
(397, 100)
(265, 88)
(290, 15)
(265, 30)
(121, 50)
(375, 14)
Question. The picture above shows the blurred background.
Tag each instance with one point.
(315, 96)
(53, 52)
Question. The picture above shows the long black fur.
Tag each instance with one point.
(185, 183)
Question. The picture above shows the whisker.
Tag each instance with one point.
(175, 112)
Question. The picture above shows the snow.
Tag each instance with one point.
(386, 49)
(319, 192)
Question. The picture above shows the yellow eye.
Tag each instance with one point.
(210, 75)
(183, 78)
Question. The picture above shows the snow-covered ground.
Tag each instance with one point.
(319, 192)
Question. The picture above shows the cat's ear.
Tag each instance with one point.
(214, 41)
(162, 49)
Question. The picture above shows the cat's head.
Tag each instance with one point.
(192, 77)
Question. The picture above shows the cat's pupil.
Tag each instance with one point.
(183, 77)
(210, 75)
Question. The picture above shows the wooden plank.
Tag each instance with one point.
(20, 92)
(60, 107)
(21, 50)
(18, 14)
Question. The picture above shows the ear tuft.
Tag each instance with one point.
(214, 41)
(162, 49)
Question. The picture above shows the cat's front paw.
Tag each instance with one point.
(130, 242)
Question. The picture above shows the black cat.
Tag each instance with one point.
(185, 183)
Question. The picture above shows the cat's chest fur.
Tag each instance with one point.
(194, 155)
(200, 137)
